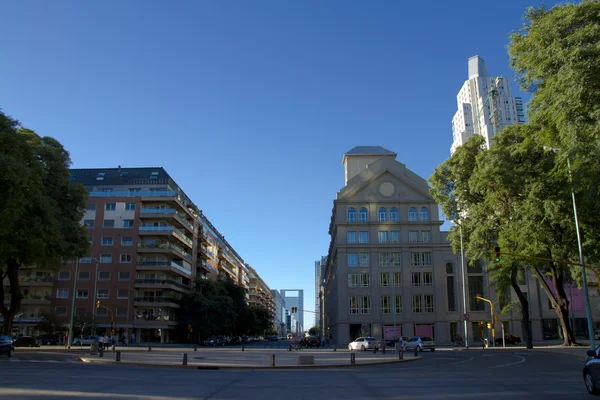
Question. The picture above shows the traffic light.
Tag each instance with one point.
(98, 304)
(497, 253)
(294, 310)
(489, 325)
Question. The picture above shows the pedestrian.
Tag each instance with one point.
(113, 340)
(106, 341)
(132, 338)
(322, 341)
(101, 343)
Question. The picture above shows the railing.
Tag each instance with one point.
(162, 281)
(154, 317)
(157, 211)
(181, 218)
(165, 193)
(164, 245)
(180, 235)
(162, 299)
(173, 264)
(176, 232)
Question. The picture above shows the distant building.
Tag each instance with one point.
(476, 117)
(319, 268)
(280, 313)
(295, 298)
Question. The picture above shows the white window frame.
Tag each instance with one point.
(110, 206)
(351, 237)
(424, 214)
(126, 242)
(365, 280)
(62, 293)
(393, 214)
(107, 242)
(68, 278)
(353, 300)
(353, 280)
(365, 239)
(103, 297)
(381, 215)
(396, 279)
(395, 237)
(415, 259)
(396, 259)
(105, 258)
(428, 304)
(415, 279)
(129, 206)
(351, 215)
(413, 236)
(382, 236)
(385, 259)
(426, 258)
(364, 259)
(398, 304)
(126, 223)
(413, 214)
(363, 216)
(384, 279)
(417, 303)
(386, 304)
(106, 220)
(125, 262)
(426, 236)
(365, 304)
(120, 296)
(427, 278)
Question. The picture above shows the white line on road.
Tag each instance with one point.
(463, 361)
(509, 364)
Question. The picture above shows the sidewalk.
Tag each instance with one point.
(235, 358)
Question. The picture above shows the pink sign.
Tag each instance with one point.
(424, 330)
(574, 295)
(388, 332)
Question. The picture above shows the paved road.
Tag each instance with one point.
(441, 375)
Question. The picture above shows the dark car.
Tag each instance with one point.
(591, 372)
(48, 339)
(509, 339)
(6, 345)
(26, 341)
(273, 338)
(313, 341)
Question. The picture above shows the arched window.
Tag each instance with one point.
(394, 214)
(363, 215)
(424, 214)
(351, 215)
(412, 214)
(382, 214)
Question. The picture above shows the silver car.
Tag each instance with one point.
(421, 343)
(363, 343)
(86, 340)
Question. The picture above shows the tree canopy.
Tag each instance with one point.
(40, 208)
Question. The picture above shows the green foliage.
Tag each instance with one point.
(40, 209)
(219, 308)
(315, 330)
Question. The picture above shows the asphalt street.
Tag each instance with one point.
(472, 374)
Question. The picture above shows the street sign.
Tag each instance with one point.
(465, 317)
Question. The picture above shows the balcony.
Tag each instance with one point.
(33, 299)
(170, 266)
(26, 281)
(159, 230)
(204, 265)
(164, 248)
(227, 269)
(154, 321)
(155, 302)
(167, 213)
(161, 284)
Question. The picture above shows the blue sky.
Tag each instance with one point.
(250, 105)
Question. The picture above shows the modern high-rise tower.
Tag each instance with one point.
(485, 106)
(319, 268)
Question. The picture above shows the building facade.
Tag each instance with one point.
(280, 319)
(481, 114)
(149, 243)
(319, 268)
(260, 294)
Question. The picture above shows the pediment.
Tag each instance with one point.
(399, 184)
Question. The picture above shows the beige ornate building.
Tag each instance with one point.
(390, 270)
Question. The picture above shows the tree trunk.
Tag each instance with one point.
(12, 272)
(559, 302)
(525, 322)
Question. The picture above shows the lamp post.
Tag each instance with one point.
(464, 296)
(586, 297)
(95, 295)
(70, 337)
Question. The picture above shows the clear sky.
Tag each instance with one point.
(250, 105)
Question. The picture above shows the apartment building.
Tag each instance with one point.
(260, 294)
(149, 243)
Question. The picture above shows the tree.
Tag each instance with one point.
(557, 58)
(40, 208)
(452, 186)
(315, 330)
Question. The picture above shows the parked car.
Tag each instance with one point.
(7, 346)
(591, 372)
(363, 343)
(313, 341)
(48, 339)
(86, 340)
(26, 341)
(273, 338)
(392, 343)
(421, 342)
(509, 339)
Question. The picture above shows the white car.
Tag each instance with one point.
(86, 340)
(363, 343)
(421, 343)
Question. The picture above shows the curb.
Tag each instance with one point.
(244, 368)
(579, 357)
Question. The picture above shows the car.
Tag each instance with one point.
(47, 339)
(509, 339)
(591, 372)
(26, 341)
(86, 340)
(273, 338)
(421, 343)
(7, 346)
(363, 343)
(313, 341)
(392, 343)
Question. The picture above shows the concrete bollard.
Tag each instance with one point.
(195, 348)
(184, 359)
(101, 352)
(272, 360)
(118, 359)
(352, 358)
(416, 351)
(243, 348)
(334, 348)
(400, 355)
(149, 348)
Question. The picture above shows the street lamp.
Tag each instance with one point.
(464, 296)
(586, 296)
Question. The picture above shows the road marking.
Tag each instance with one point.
(509, 364)
(463, 361)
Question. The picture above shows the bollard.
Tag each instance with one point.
(114, 348)
(195, 348)
(101, 352)
(352, 358)
(118, 359)
(400, 355)
(383, 350)
(334, 348)
(243, 348)
(149, 347)
(374, 349)
(272, 360)
(416, 351)
(184, 359)
(290, 347)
